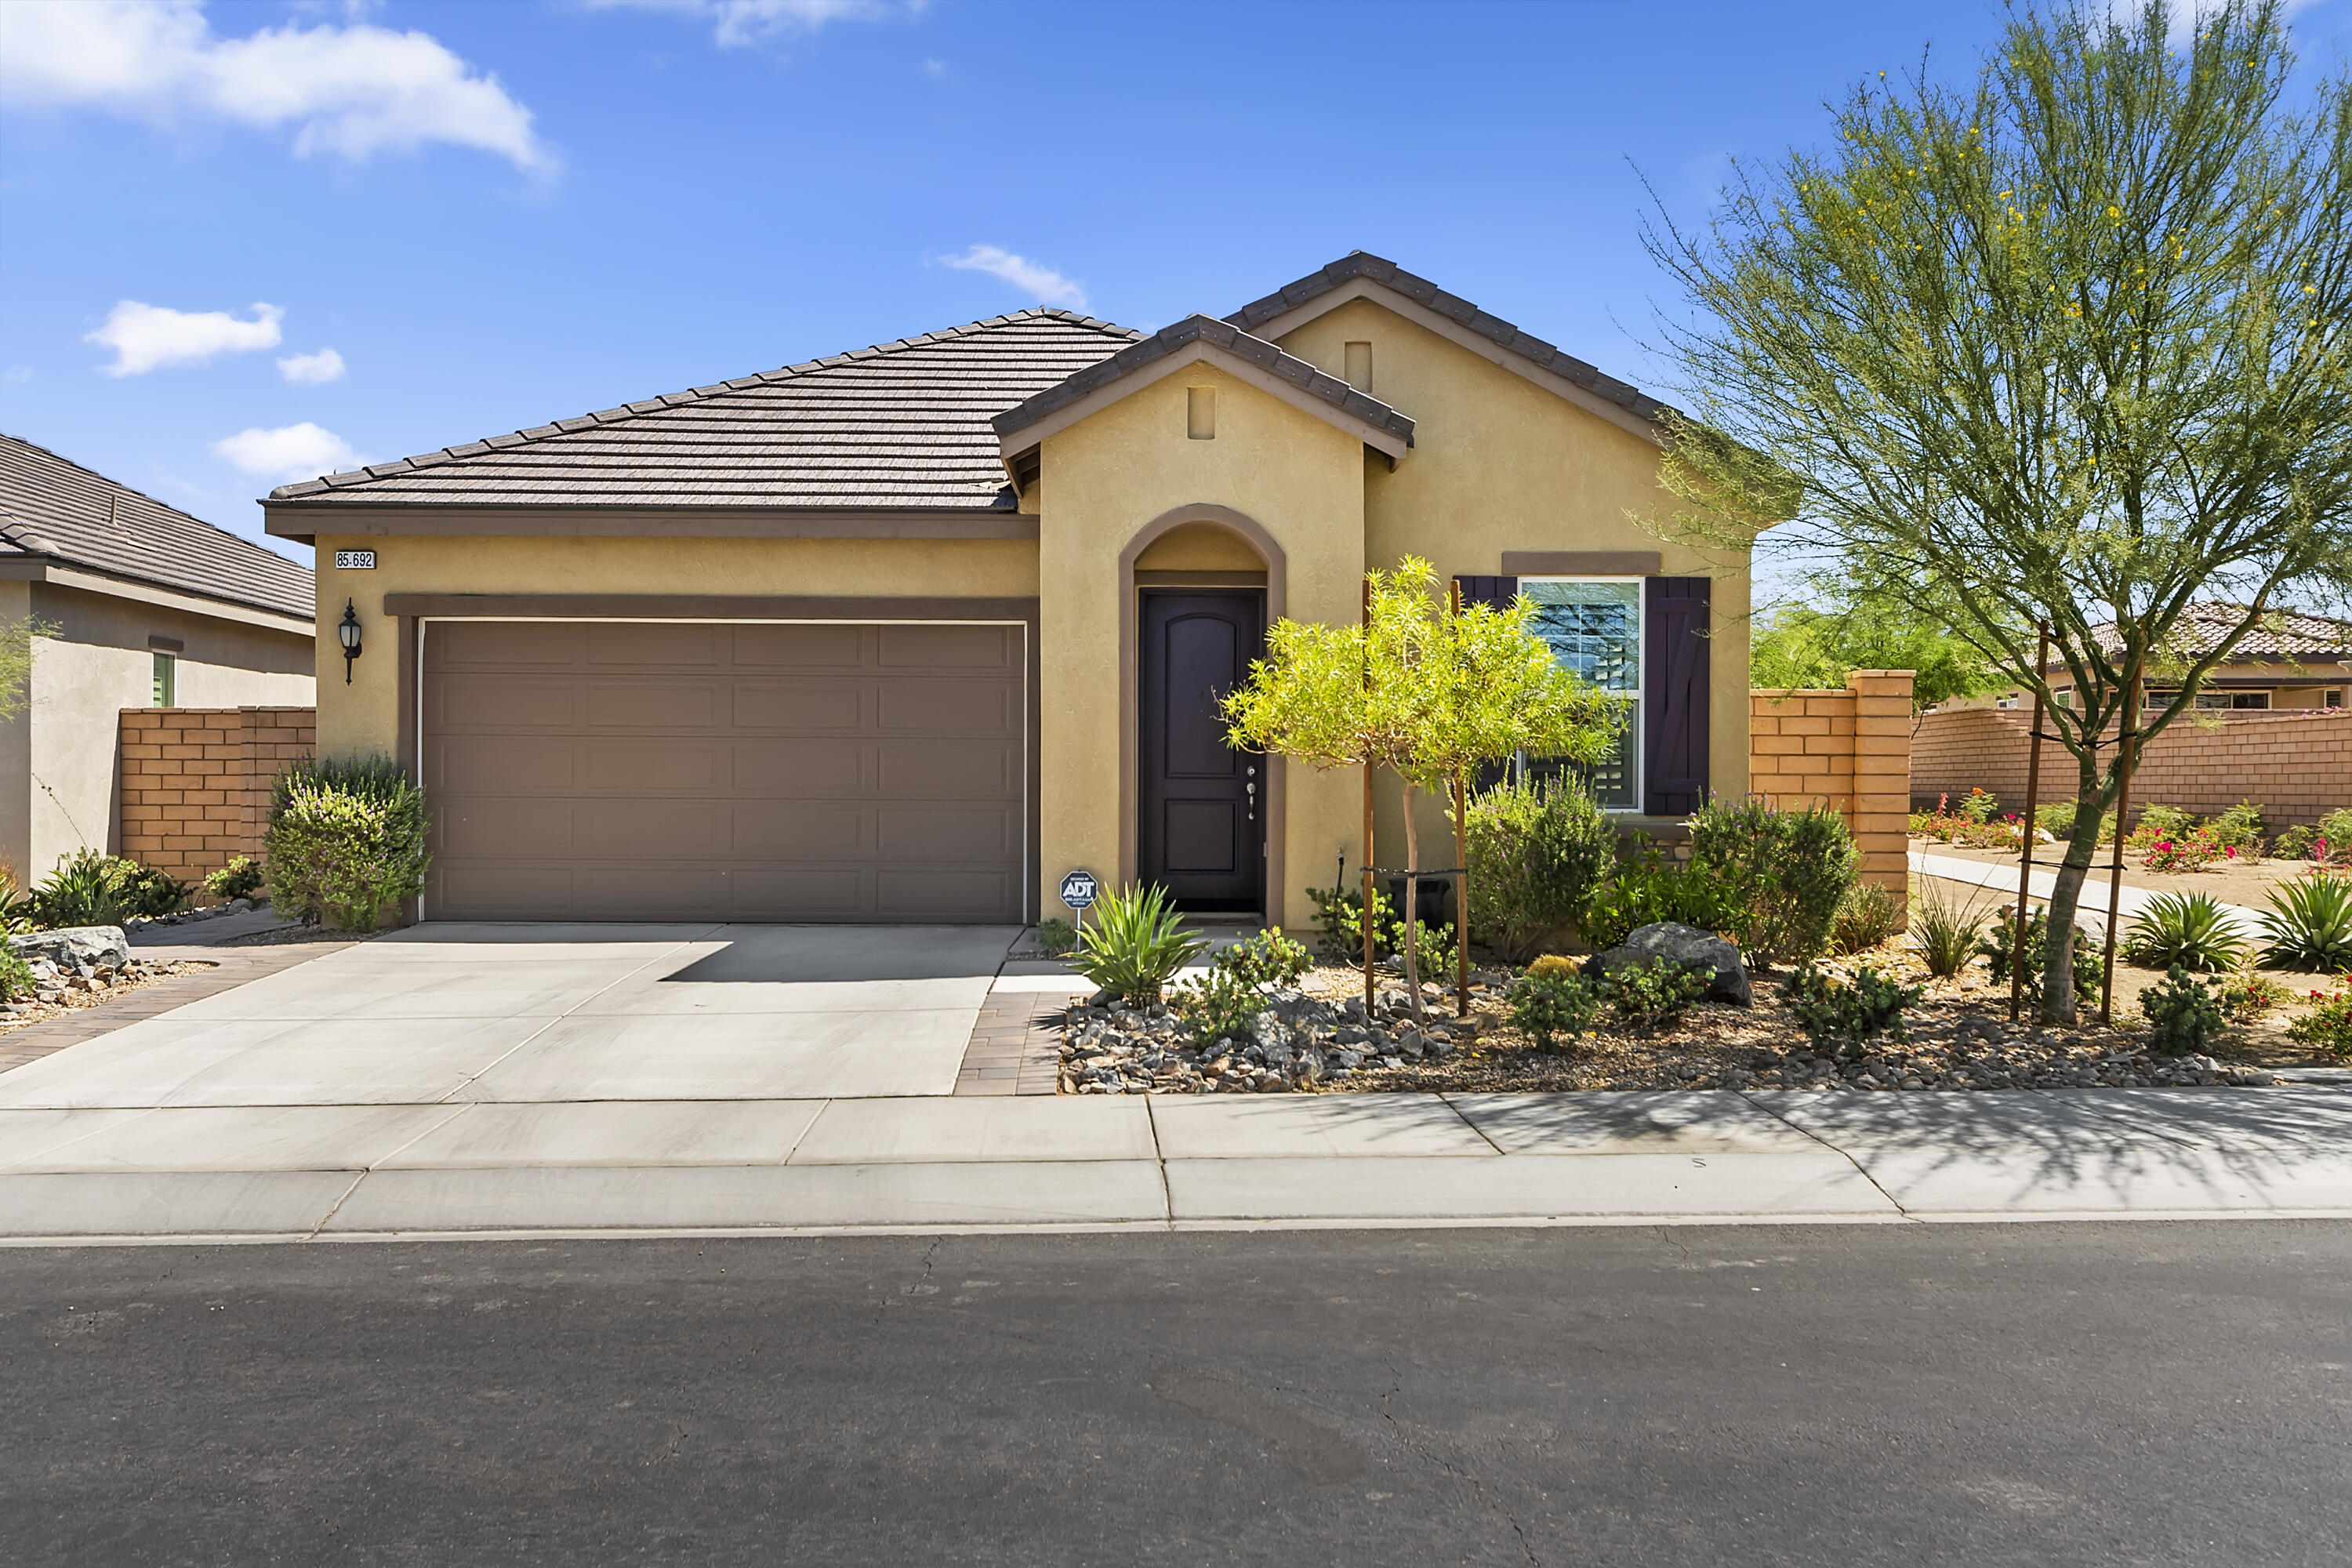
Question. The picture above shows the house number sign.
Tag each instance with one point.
(354, 560)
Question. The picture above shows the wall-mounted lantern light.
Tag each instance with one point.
(348, 629)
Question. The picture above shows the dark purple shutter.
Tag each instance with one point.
(1498, 592)
(1674, 704)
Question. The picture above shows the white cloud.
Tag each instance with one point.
(350, 91)
(16, 373)
(1040, 282)
(735, 23)
(2184, 17)
(148, 337)
(301, 451)
(935, 68)
(306, 369)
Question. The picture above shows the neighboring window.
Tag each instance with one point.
(1201, 413)
(2152, 698)
(2334, 699)
(2065, 697)
(2211, 700)
(167, 669)
(1594, 627)
(2006, 699)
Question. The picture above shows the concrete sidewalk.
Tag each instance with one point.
(2093, 915)
(351, 1172)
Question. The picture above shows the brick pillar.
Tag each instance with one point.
(1882, 776)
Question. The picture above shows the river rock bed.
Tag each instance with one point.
(1322, 1039)
(62, 988)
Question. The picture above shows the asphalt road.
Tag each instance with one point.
(2151, 1392)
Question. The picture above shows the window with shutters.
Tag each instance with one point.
(1593, 626)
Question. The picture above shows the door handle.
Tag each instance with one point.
(1251, 796)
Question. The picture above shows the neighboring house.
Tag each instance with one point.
(2292, 661)
(148, 606)
(907, 633)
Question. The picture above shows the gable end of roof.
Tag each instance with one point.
(1224, 335)
(1388, 274)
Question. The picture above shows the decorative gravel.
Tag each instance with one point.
(1321, 1039)
(62, 991)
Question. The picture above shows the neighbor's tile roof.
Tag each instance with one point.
(903, 425)
(57, 510)
(1422, 292)
(1224, 334)
(2283, 635)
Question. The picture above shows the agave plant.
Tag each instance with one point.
(1945, 928)
(1135, 942)
(2183, 931)
(2309, 924)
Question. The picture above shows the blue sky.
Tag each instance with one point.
(495, 215)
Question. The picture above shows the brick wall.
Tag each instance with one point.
(193, 784)
(1848, 750)
(2294, 765)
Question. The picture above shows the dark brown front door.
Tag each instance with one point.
(1202, 831)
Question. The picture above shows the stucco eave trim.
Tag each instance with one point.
(60, 575)
(305, 522)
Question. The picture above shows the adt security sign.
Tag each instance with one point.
(1078, 889)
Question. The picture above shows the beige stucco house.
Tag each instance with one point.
(143, 606)
(909, 633)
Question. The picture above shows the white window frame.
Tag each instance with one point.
(1636, 760)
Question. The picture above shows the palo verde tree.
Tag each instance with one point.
(1425, 693)
(1836, 630)
(2066, 347)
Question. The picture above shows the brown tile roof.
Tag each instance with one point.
(2282, 634)
(57, 510)
(1195, 329)
(899, 427)
(1422, 292)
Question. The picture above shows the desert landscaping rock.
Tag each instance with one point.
(71, 946)
(1692, 949)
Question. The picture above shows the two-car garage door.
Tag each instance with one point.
(653, 769)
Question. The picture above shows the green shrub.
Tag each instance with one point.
(1135, 942)
(88, 889)
(1785, 872)
(2309, 924)
(2294, 843)
(2247, 993)
(1831, 1011)
(1537, 853)
(1269, 958)
(2058, 818)
(346, 842)
(240, 878)
(2157, 823)
(2182, 1013)
(2327, 1029)
(1553, 963)
(1648, 890)
(2186, 931)
(1868, 917)
(1979, 808)
(1653, 993)
(1996, 948)
(1220, 1005)
(1339, 923)
(1945, 928)
(1055, 937)
(16, 982)
(2241, 829)
(1550, 1008)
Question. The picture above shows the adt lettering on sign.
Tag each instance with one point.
(1078, 889)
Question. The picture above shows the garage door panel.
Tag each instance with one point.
(948, 707)
(498, 766)
(798, 705)
(505, 644)
(764, 829)
(673, 767)
(652, 644)
(952, 648)
(505, 702)
(943, 895)
(942, 771)
(654, 705)
(782, 772)
(818, 769)
(800, 647)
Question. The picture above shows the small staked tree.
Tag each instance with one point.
(1424, 692)
(2067, 347)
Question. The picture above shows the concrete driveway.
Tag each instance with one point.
(546, 1013)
